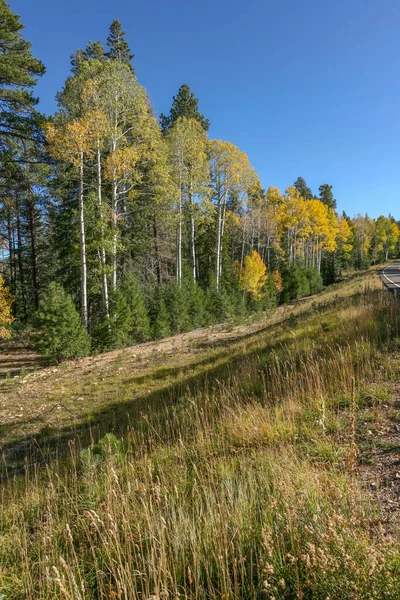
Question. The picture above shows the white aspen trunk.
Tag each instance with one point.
(222, 234)
(104, 283)
(84, 306)
(243, 242)
(179, 240)
(114, 203)
(192, 230)
(217, 265)
(252, 232)
(114, 227)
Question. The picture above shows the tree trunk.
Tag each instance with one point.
(114, 203)
(222, 235)
(104, 283)
(11, 253)
(20, 264)
(179, 241)
(34, 257)
(218, 252)
(192, 231)
(84, 307)
(243, 243)
(157, 251)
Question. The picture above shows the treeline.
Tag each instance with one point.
(145, 225)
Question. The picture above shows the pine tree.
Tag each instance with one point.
(139, 325)
(118, 46)
(120, 323)
(326, 195)
(303, 188)
(161, 326)
(177, 305)
(296, 284)
(195, 298)
(60, 331)
(160, 320)
(93, 50)
(19, 71)
(219, 307)
(184, 104)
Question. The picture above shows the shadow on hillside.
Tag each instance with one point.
(134, 414)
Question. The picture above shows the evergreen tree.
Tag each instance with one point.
(184, 104)
(93, 50)
(219, 307)
(60, 331)
(177, 305)
(296, 284)
(315, 280)
(326, 195)
(303, 188)
(19, 71)
(118, 46)
(159, 317)
(139, 325)
(120, 323)
(195, 299)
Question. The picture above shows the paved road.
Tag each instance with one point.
(390, 276)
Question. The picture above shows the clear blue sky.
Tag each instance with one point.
(305, 87)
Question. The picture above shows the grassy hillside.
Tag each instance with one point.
(275, 476)
(109, 388)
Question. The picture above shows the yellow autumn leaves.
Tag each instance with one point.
(6, 318)
(253, 275)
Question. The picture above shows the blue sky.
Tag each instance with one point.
(305, 87)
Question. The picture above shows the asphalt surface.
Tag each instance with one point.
(390, 276)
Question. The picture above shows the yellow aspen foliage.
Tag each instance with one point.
(395, 230)
(345, 238)
(273, 195)
(278, 281)
(122, 164)
(232, 221)
(253, 274)
(6, 317)
(69, 142)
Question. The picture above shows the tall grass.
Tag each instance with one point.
(241, 490)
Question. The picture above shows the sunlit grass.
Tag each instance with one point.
(245, 488)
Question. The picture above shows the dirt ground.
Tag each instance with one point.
(378, 469)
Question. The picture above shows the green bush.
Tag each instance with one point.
(61, 334)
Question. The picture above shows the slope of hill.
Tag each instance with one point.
(274, 476)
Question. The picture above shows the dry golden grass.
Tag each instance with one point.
(244, 489)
